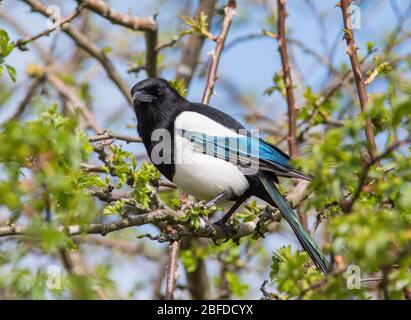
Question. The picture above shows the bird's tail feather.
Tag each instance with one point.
(307, 242)
(294, 173)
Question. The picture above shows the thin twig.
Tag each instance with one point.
(123, 19)
(70, 94)
(84, 43)
(16, 25)
(292, 111)
(22, 43)
(174, 40)
(288, 82)
(31, 91)
(229, 11)
(148, 25)
(359, 80)
(367, 166)
(90, 168)
(107, 135)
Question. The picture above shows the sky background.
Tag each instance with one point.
(248, 67)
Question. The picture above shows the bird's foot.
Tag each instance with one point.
(226, 230)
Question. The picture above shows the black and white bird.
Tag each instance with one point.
(209, 155)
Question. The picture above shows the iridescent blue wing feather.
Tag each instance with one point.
(245, 151)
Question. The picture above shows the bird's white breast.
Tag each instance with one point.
(201, 175)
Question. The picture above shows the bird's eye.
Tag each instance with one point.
(159, 91)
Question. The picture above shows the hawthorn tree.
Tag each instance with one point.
(84, 215)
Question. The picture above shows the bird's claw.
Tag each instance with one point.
(228, 233)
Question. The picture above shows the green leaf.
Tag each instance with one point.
(107, 49)
(238, 288)
(370, 46)
(116, 208)
(11, 71)
(5, 45)
(179, 86)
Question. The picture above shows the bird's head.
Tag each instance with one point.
(152, 92)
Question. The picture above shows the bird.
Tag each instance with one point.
(208, 154)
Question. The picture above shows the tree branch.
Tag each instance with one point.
(229, 11)
(30, 93)
(171, 269)
(70, 94)
(108, 135)
(185, 71)
(21, 43)
(151, 53)
(123, 19)
(292, 111)
(359, 80)
(90, 48)
(364, 174)
(173, 218)
(148, 25)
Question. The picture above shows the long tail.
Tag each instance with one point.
(307, 242)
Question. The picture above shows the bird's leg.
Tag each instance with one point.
(222, 223)
(233, 209)
(215, 200)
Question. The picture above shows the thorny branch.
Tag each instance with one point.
(229, 11)
(359, 80)
(286, 66)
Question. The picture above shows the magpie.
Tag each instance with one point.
(208, 154)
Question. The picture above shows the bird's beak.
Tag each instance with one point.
(140, 96)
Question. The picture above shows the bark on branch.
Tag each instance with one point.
(359, 80)
(123, 19)
(286, 67)
(107, 135)
(170, 217)
(147, 24)
(172, 269)
(229, 12)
